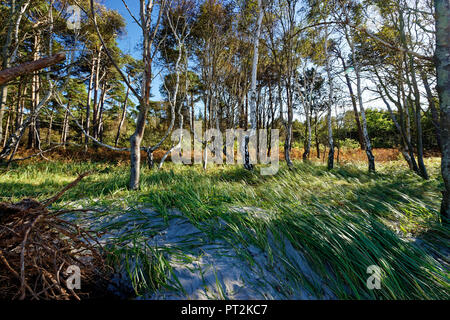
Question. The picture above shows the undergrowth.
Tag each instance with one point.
(343, 220)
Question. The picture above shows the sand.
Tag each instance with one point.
(205, 268)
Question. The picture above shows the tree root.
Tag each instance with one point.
(36, 248)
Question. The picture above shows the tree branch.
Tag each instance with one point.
(94, 20)
(30, 66)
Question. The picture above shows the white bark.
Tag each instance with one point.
(442, 8)
(330, 102)
(253, 97)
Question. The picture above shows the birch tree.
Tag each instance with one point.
(442, 58)
(330, 102)
(253, 93)
(357, 69)
(150, 14)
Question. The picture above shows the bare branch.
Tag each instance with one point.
(29, 67)
(132, 16)
(94, 20)
(58, 100)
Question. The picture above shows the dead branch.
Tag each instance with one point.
(30, 66)
(36, 244)
(48, 202)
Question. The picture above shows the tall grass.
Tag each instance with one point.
(343, 220)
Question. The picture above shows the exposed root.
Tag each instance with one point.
(37, 247)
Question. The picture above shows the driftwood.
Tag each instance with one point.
(37, 246)
(30, 66)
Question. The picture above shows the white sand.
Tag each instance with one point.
(211, 269)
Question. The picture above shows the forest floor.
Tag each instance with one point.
(306, 233)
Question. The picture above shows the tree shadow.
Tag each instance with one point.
(28, 190)
(91, 186)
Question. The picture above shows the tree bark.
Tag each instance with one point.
(33, 136)
(99, 124)
(88, 104)
(136, 139)
(64, 128)
(330, 163)
(50, 127)
(442, 58)
(253, 97)
(418, 117)
(316, 136)
(368, 145)
(355, 107)
(365, 133)
(122, 118)
(308, 135)
(412, 82)
(8, 120)
(434, 112)
(8, 58)
(96, 87)
(30, 67)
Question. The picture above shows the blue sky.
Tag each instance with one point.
(128, 41)
(133, 35)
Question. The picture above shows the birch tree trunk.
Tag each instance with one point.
(122, 118)
(434, 112)
(50, 127)
(308, 134)
(88, 104)
(253, 94)
(355, 107)
(418, 117)
(33, 139)
(330, 102)
(96, 87)
(412, 83)
(368, 146)
(442, 58)
(146, 10)
(316, 122)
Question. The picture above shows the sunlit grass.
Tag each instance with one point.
(343, 220)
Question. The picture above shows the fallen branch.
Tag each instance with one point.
(37, 245)
(48, 202)
(29, 67)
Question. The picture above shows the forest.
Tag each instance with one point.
(224, 149)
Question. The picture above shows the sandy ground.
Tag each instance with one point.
(204, 268)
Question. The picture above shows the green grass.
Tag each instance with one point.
(343, 220)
